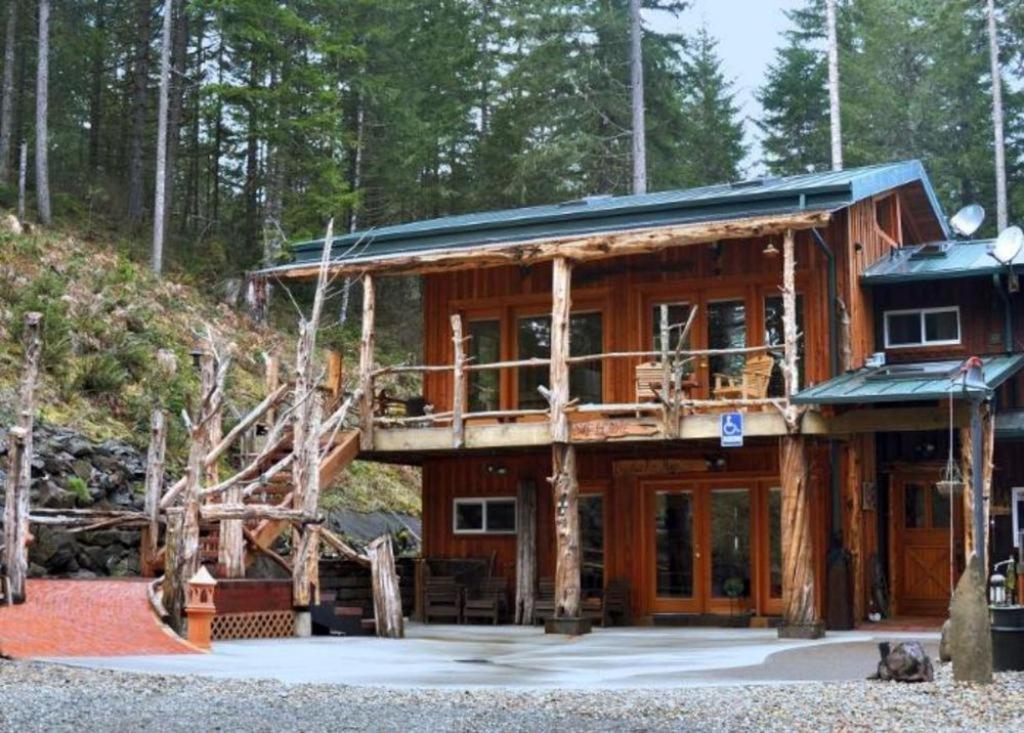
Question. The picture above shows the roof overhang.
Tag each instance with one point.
(919, 382)
(579, 248)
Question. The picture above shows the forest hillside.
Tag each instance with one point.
(105, 318)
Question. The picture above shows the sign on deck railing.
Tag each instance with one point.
(730, 429)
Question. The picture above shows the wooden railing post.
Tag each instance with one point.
(665, 393)
(154, 488)
(272, 380)
(366, 345)
(335, 375)
(458, 381)
(561, 308)
(19, 476)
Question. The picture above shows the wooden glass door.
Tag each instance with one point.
(926, 529)
(676, 552)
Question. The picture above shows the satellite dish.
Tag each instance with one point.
(966, 221)
(1007, 246)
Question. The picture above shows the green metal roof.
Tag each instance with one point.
(1010, 424)
(825, 191)
(923, 381)
(937, 261)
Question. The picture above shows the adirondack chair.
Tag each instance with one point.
(647, 382)
(544, 602)
(751, 384)
(443, 600)
(489, 602)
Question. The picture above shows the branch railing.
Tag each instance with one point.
(668, 402)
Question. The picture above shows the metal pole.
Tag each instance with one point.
(978, 478)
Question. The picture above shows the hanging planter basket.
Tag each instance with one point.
(952, 481)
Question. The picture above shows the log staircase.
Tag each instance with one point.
(338, 451)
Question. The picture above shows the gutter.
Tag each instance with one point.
(1007, 313)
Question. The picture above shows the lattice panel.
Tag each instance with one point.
(255, 625)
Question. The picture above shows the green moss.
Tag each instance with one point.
(79, 488)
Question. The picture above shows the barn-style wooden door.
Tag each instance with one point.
(924, 526)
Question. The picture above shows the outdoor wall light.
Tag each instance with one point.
(197, 357)
(770, 250)
(496, 469)
(716, 463)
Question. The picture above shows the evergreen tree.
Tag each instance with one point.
(711, 147)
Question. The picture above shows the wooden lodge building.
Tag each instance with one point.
(735, 401)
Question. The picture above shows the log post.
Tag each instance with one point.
(173, 586)
(272, 380)
(189, 562)
(969, 454)
(667, 398)
(526, 551)
(154, 488)
(458, 382)
(366, 367)
(19, 477)
(567, 619)
(561, 307)
(799, 595)
(387, 595)
(306, 554)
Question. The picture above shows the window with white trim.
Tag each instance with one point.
(922, 327)
(491, 515)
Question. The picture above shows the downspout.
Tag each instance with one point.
(835, 491)
(1007, 313)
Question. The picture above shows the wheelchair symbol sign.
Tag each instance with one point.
(730, 429)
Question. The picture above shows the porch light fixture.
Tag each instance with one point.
(770, 250)
(197, 356)
(499, 470)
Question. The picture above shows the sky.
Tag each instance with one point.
(748, 33)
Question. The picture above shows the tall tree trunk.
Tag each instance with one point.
(42, 100)
(833, 86)
(636, 83)
(193, 180)
(95, 88)
(176, 90)
(218, 141)
(1002, 217)
(159, 199)
(7, 103)
(140, 83)
(252, 163)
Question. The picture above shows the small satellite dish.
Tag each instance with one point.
(966, 221)
(1007, 246)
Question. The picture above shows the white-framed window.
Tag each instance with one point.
(1017, 512)
(484, 515)
(922, 327)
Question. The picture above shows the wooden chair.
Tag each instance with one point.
(489, 602)
(544, 602)
(752, 384)
(443, 600)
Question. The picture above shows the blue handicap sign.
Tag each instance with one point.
(730, 429)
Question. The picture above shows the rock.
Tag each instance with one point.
(944, 651)
(908, 662)
(970, 637)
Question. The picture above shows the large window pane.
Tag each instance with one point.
(484, 348)
(469, 516)
(775, 543)
(501, 515)
(903, 329)
(592, 545)
(942, 326)
(940, 509)
(674, 545)
(730, 543)
(534, 341)
(586, 337)
(774, 336)
(727, 329)
(533, 337)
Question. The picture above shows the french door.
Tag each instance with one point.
(700, 541)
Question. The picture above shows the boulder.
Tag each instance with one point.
(907, 662)
(945, 654)
(970, 635)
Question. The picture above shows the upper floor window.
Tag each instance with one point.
(484, 348)
(922, 327)
(533, 337)
(727, 329)
(774, 336)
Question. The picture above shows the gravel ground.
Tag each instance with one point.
(36, 696)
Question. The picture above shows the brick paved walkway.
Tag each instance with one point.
(85, 618)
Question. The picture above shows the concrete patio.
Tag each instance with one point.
(510, 656)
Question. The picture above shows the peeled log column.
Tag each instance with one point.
(567, 532)
(173, 588)
(366, 344)
(154, 487)
(387, 595)
(799, 599)
(526, 551)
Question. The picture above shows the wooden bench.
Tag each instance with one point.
(544, 602)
